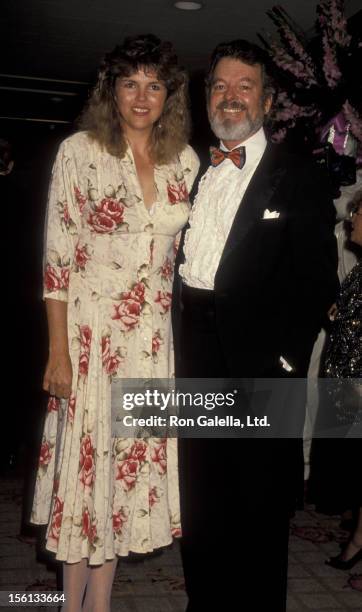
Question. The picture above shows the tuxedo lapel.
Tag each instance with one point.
(256, 199)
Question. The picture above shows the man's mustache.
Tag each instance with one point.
(238, 106)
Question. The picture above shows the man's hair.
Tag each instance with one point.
(101, 116)
(245, 52)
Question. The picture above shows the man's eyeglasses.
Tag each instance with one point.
(355, 211)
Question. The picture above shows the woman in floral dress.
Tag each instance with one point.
(118, 199)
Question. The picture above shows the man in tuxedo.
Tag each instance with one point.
(256, 276)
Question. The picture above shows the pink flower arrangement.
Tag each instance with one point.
(309, 80)
(330, 68)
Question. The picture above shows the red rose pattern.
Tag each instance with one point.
(107, 216)
(128, 469)
(85, 336)
(71, 408)
(166, 269)
(137, 293)
(156, 343)
(119, 519)
(56, 520)
(66, 215)
(101, 223)
(138, 451)
(53, 404)
(45, 454)
(53, 281)
(85, 523)
(65, 278)
(128, 313)
(112, 209)
(89, 530)
(152, 496)
(112, 365)
(127, 473)
(110, 362)
(159, 456)
(80, 199)
(129, 310)
(86, 462)
(81, 256)
(85, 344)
(92, 533)
(83, 364)
(177, 192)
(163, 298)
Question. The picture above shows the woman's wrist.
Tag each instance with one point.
(59, 350)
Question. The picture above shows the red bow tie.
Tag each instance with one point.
(237, 156)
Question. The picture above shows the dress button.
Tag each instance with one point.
(149, 228)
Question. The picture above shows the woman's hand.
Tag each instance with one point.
(332, 312)
(58, 375)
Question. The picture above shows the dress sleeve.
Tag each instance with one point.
(62, 225)
(190, 166)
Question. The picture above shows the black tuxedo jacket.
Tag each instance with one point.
(277, 277)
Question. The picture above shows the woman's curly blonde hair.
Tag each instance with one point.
(101, 116)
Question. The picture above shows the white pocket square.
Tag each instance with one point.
(270, 214)
(285, 365)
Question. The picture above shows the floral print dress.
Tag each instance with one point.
(112, 260)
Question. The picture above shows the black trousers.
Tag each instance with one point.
(235, 494)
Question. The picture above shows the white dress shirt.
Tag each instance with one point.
(220, 192)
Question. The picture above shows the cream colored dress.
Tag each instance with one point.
(112, 260)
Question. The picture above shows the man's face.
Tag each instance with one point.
(236, 106)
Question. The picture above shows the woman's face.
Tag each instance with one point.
(356, 234)
(140, 99)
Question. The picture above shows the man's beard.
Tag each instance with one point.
(229, 129)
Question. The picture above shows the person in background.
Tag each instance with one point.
(344, 361)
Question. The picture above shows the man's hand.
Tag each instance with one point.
(58, 376)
